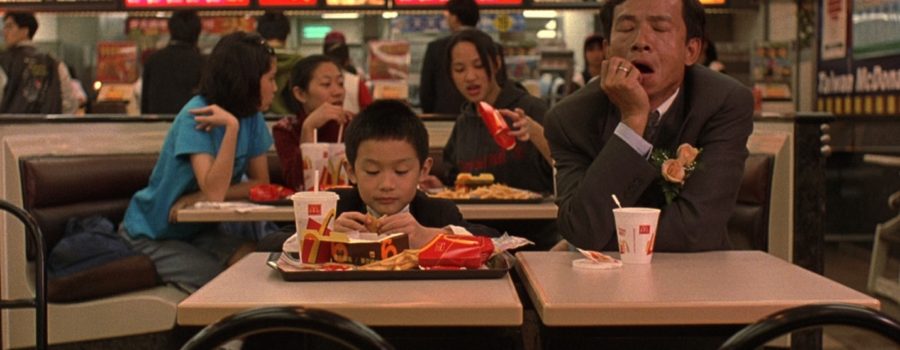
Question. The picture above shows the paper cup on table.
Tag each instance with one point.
(636, 232)
(315, 157)
(314, 214)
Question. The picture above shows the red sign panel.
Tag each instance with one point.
(442, 2)
(287, 3)
(186, 3)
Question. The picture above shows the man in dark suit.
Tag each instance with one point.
(437, 94)
(172, 75)
(602, 136)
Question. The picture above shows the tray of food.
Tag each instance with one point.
(495, 267)
(495, 193)
(446, 257)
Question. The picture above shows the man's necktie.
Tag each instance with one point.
(652, 126)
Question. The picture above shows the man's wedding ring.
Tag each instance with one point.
(623, 68)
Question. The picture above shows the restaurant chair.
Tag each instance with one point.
(39, 302)
(798, 318)
(324, 324)
(887, 234)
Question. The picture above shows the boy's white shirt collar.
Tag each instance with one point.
(376, 214)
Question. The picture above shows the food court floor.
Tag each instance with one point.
(848, 263)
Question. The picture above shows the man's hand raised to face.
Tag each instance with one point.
(621, 82)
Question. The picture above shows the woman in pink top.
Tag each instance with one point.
(317, 83)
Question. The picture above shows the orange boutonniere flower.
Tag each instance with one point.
(675, 170)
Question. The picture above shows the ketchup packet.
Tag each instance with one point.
(269, 192)
(455, 252)
(496, 126)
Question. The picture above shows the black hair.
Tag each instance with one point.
(185, 26)
(273, 25)
(487, 49)
(593, 40)
(465, 10)
(24, 19)
(339, 53)
(232, 73)
(301, 76)
(386, 120)
(691, 11)
(711, 53)
(302, 72)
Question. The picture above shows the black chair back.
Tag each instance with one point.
(787, 321)
(322, 323)
(39, 302)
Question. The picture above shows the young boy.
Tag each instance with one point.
(387, 148)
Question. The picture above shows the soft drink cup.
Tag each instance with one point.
(315, 157)
(314, 213)
(636, 233)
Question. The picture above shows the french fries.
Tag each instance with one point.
(405, 260)
(495, 191)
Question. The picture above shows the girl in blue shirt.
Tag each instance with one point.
(217, 139)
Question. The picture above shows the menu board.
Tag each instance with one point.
(117, 61)
(339, 3)
(185, 3)
(288, 3)
(442, 2)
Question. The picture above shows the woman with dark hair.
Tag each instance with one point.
(357, 93)
(477, 70)
(217, 139)
(593, 59)
(317, 83)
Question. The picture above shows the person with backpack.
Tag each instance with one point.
(36, 81)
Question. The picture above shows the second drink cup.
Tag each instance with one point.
(636, 232)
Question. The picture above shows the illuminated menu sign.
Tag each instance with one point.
(442, 2)
(288, 3)
(185, 3)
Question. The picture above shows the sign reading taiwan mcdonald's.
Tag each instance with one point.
(859, 58)
(185, 3)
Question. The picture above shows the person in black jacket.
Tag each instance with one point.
(436, 91)
(172, 75)
(387, 149)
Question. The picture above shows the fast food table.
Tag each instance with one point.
(435, 304)
(506, 211)
(710, 292)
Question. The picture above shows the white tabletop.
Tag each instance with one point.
(525, 211)
(251, 284)
(727, 287)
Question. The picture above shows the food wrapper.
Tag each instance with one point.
(594, 260)
(269, 192)
(456, 252)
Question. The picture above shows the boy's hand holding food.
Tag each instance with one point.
(406, 223)
(351, 221)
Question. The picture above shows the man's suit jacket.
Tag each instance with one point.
(437, 94)
(713, 112)
(429, 212)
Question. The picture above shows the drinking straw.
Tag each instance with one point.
(340, 132)
(316, 184)
(616, 199)
(315, 135)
